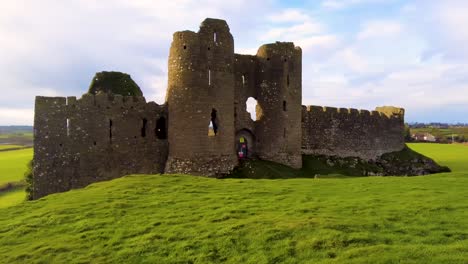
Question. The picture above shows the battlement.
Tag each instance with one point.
(96, 137)
(351, 132)
(386, 112)
(204, 127)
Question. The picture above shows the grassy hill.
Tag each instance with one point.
(185, 219)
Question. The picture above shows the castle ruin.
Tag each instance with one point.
(104, 135)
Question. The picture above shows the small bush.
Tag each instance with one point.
(28, 176)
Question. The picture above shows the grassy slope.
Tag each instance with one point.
(12, 197)
(184, 219)
(13, 165)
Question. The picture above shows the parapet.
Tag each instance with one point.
(391, 111)
(384, 111)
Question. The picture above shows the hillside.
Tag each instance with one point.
(184, 219)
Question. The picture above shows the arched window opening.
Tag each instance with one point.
(161, 131)
(214, 36)
(143, 127)
(243, 80)
(185, 46)
(253, 108)
(213, 126)
(284, 106)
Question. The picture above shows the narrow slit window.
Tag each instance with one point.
(287, 80)
(143, 127)
(209, 77)
(214, 36)
(110, 130)
(243, 79)
(68, 127)
(161, 131)
(284, 106)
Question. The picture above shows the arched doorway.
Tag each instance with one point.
(245, 144)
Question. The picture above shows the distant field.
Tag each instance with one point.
(20, 138)
(443, 132)
(7, 147)
(13, 165)
(186, 219)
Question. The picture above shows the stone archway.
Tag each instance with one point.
(245, 144)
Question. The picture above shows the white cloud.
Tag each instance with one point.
(290, 15)
(16, 116)
(341, 4)
(379, 29)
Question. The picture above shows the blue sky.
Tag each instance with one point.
(356, 53)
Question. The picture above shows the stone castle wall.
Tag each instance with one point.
(274, 78)
(201, 86)
(350, 132)
(95, 138)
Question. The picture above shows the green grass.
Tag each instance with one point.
(13, 165)
(455, 156)
(185, 219)
(12, 197)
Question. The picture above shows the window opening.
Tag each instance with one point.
(161, 131)
(110, 130)
(143, 127)
(209, 77)
(68, 127)
(284, 106)
(213, 126)
(251, 107)
(287, 80)
(214, 36)
(243, 79)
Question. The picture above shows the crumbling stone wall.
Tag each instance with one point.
(200, 83)
(274, 78)
(95, 138)
(352, 133)
(106, 134)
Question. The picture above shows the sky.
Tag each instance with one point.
(356, 53)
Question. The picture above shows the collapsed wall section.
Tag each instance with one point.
(98, 137)
(352, 133)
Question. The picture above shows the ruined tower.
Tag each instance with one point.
(279, 84)
(200, 97)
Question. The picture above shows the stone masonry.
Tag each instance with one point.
(106, 135)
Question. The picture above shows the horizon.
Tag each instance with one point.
(356, 53)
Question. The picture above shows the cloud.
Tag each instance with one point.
(380, 28)
(290, 15)
(16, 116)
(341, 4)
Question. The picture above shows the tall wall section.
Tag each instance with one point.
(95, 138)
(352, 133)
(279, 95)
(201, 90)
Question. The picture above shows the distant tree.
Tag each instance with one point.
(28, 175)
(407, 133)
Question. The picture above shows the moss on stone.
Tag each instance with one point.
(115, 83)
(401, 163)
